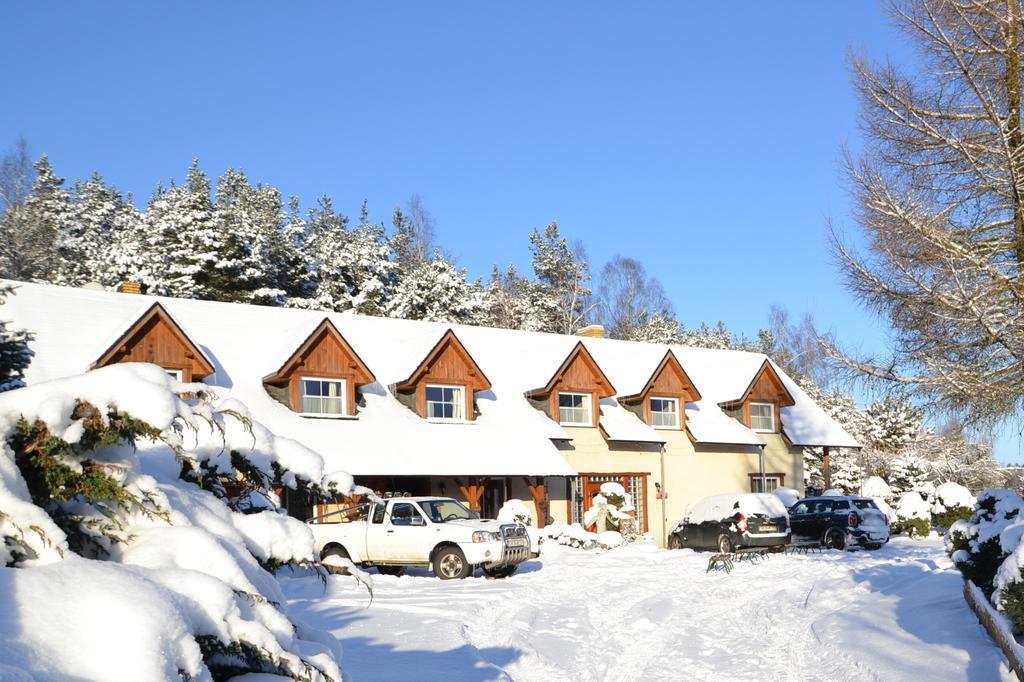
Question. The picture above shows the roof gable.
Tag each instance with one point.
(168, 344)
(766, 385)
(450, 359)
(668, 378)
(579, 370)
(327, 352)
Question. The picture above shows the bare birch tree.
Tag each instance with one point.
(938, 194)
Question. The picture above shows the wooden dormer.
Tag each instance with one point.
(765, 388)
(157, 338)
(579, 375)
(324, 357)
(669, 383)
(447, 367)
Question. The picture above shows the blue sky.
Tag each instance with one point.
(702, 139)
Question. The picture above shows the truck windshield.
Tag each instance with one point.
(440, 511)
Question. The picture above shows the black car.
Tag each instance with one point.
(839, 522)
(732, 521)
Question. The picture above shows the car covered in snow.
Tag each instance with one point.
(438, 532)
(839, 522)
(732, 521)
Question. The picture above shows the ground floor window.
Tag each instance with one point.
(771, 482)
(583, 487)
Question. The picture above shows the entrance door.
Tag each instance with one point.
(495, 495)
(590, 485)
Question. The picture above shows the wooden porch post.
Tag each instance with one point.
(826, 467)
(537, 490)
(472, 490)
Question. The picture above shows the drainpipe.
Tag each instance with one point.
(760, 463)
(664, 489)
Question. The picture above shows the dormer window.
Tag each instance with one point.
(665, 413)
(322, 397)
(762, 417)
(445, 402)
(574, 409)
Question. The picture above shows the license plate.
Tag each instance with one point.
(769, 529)
(517, 542)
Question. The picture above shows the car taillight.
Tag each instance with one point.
(887, 522)
(854, 520)
(741, 524)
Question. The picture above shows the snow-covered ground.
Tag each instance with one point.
(642, 613)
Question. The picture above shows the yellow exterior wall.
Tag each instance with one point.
(690, 472)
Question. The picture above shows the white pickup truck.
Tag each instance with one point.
(421, 531)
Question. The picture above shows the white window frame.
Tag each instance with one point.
(650, 407)
(767, 477)
(343, 396)
(589, 408)
(175, 372)
(460, 404)
(771, 412)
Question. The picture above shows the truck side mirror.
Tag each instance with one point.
(417, 521)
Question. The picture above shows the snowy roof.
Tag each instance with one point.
(245, 343)
(619, 423)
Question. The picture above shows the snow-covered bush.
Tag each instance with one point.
(149, 523)
(951, 502)
(913, 516)
(515, 511)
(976, 545)
(789, 496)
(611, 509)
(832, 492)
(878, 490)
(574, 535)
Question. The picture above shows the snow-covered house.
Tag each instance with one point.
(477, 413)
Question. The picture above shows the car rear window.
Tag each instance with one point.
(865, 504)
(841, 504)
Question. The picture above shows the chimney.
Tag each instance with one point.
(593, 331)
(129, 288)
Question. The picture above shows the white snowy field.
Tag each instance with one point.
(643, 613)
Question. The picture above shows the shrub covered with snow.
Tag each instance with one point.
(789, 496)
(515, 511)
(612, 510)
(150, 524)
(875, 486)
(913, 516)
(574, 535)
(976, 545)
(951, 502)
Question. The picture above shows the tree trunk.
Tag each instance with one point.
(1015, 137)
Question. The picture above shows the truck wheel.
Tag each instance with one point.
(674, 542)
(339, 552)
(450, 563)
(724, 544)
(391, 570)
(502, 572)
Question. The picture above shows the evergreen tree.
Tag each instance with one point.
(15, 355)
(437, 291)
(512, 301)
(46, 214)
(183, 244)
(100, 220)
(657, 328)
(564, 274)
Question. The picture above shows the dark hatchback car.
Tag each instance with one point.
(732, 521)
(839, 522)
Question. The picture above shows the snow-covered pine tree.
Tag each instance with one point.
(87, 246)
(893, 424)
(46, 214)
(16, 178)
(183, 243)
(15, 355)
(564, 274)
(352, 269)
(437, 291)
(254, 253)
(718, 337)
(512, 301)
(657, 328)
